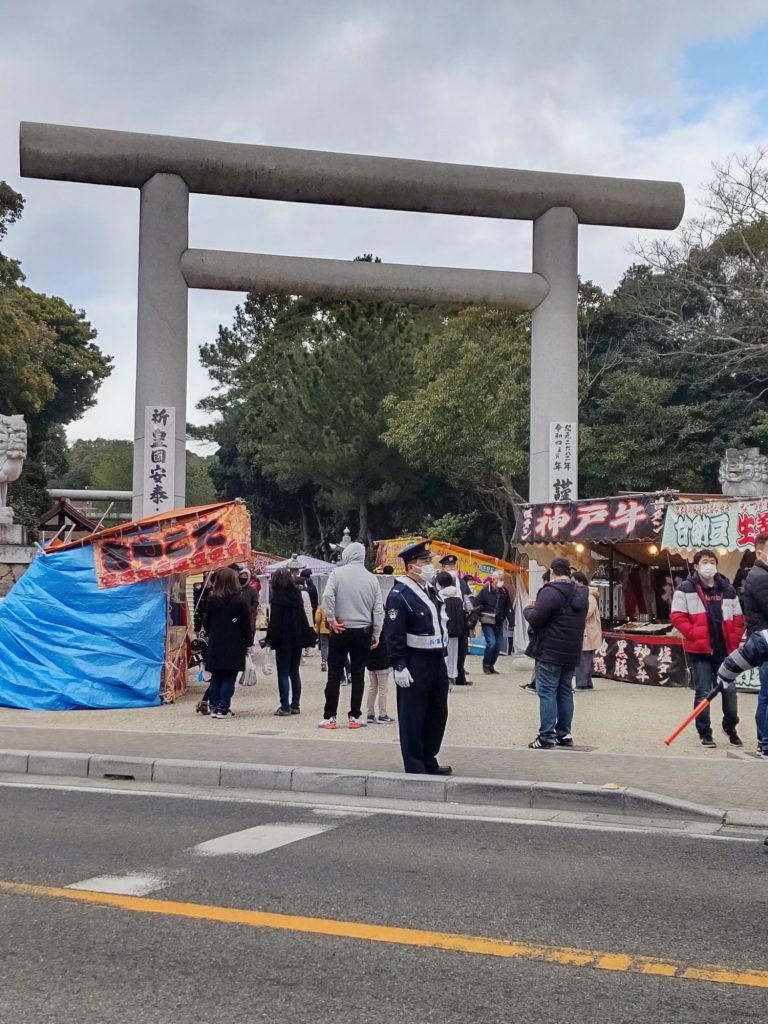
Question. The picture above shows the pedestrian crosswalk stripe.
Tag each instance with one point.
(564, 955)
(259, 839)
(132, 884)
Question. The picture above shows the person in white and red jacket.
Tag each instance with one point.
(706, 610)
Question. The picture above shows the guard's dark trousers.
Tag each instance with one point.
(422, 711)
(461, 675)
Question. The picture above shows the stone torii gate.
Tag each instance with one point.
(166, 169)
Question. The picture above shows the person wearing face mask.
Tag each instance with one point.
(249, 595)
(415, 627)
(755, 600)
(496, 609)
(706, 610)
(450, 564)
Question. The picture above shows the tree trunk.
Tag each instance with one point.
(306, 527)
(507, 552)
(363, 530)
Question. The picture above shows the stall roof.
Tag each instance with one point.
(317, 565)
(470, 560)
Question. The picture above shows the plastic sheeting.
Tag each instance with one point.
(66, 644)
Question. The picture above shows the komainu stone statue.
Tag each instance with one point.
(744, 473)
(13, 451)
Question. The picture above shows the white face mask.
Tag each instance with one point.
(427, 572)
(707, 571)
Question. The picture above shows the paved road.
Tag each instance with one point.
(298, 926)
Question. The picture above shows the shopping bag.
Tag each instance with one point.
(249, 675)
(268, 661)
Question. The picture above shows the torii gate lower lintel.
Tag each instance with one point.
(166, 169)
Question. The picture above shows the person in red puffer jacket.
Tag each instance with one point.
(706, 610)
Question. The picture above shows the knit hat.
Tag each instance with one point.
(560, 566)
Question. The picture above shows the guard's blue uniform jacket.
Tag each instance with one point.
(415, 620)
(752, 653)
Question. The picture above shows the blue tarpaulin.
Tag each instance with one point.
(65, 643)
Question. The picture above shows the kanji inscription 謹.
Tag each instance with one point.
(563, 461)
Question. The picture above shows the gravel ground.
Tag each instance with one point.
(613, 718)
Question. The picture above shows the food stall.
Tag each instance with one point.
(730, 527)
(101, 622)
(476, 567)
(617, 543)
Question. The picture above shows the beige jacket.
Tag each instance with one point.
(593, 633)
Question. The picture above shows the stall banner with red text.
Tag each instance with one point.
(732, 525)
(191, 541)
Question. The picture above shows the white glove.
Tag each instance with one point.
(403, 677)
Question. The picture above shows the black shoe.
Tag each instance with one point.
(467, 682)
(735, 739)
(442, 769)
(530, 687)
(295, 711)
(283, 713)
(538, 745)
(564, 741)
(707, 741)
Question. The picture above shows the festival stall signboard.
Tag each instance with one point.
(599, 520)
(475, 564)
(206, 538)
(651, 660)
(731, 525)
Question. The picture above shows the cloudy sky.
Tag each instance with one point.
(616, 87)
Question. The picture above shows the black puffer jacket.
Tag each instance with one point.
(378, 659)
(754, 598)
(288, 628)
(560, 614)
(227, 624)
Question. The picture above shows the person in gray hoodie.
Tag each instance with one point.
(355, 614)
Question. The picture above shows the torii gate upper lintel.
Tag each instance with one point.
(166, 169)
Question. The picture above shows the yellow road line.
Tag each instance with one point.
(604, 961)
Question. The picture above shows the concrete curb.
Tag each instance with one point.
(607, 799)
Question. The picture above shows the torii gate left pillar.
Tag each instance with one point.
(161, 349)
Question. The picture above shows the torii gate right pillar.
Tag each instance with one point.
(555, 353)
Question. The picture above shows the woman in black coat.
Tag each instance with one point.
(288, 633)
(229, 632)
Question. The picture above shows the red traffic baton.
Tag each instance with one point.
(694, 714)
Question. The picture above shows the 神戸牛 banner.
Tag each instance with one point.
(190, 541)
(730, 524)
(636, 517)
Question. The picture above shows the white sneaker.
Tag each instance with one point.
(327, 723)
(357, 723)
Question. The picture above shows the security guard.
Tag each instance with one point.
(415, 628)
(451, 564)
